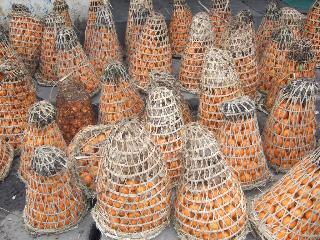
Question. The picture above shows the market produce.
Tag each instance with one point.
(46, 74)
(17, 94)
(164, 122)
(220, 15)
(133, 193)
(119, 98)
(289, 134)
(105, 41)
(61, 7)
(290, 209)
(25, 34)
(241, 143)
(85, 153)
(153, 51)
(74, 108)
(274, 57)
(210, 203)
(42, 129)
(54, 203)
(6, 159)
(219, 83)
(200, 39)
(179, 27)
(301, 64)
(72, 61)
(292, 19)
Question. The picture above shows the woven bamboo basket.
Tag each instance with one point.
(47, 72)
(133, 200)
(85, 153)
(17, 94)
(210, 203)
(290, 209)
(61, 7)
(241, 143)
(301, 64)
(120, 99)
(74, 109)
(220, 15)
(54, 203)
(42, 129)
(311, 26)
(179, 27)
(289, 134)
(294, 20)
(274, 58)
(25, 34)
(6, 158)
(240, 41)
(200, 39)
(139, 10)
(94, 6)
(219, 83)
(71, 59)
(153, 51)
(164, 122)
(105, 41)
(270, 22)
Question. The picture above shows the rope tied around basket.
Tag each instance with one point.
(115, 73)
(240, 107)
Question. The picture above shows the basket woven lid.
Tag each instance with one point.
(301, 89)
(70, 90)
(104, 17)
(19, 8)
(66, 39)
(218, 69)
(115, 73)
(47, 161)
(42, 114)
(301, 51)
(54, 20)
(283, 37)
(201, 28)
(273, 11)
(291, 15)
(60, 5)
(239, 107)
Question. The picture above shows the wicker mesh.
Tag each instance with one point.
(119, 98)
(74, 109)
(200, 39)
(269, 23)
(133, 200)
(219, 83)
(25, 33)
(53, 201)
(153, 51)
(241, 143)
(71, 59)
(41, 130)
(85, 152)
(105, 41)
(240, 41)
(179, 27)
(293, 19)
(6, 158)
(164, 122)
(61, 7)
(290, 209)
(17, 94)
(301, 64)
(289, 134)
(94, 6)
(139, 10)
(220, 14)
(274, 58)
(210, 203)
(47, 72)
(311, 27)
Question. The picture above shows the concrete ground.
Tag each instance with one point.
(12, 191)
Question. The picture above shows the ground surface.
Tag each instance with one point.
(12, 191)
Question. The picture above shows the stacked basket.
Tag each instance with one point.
(61, 7)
